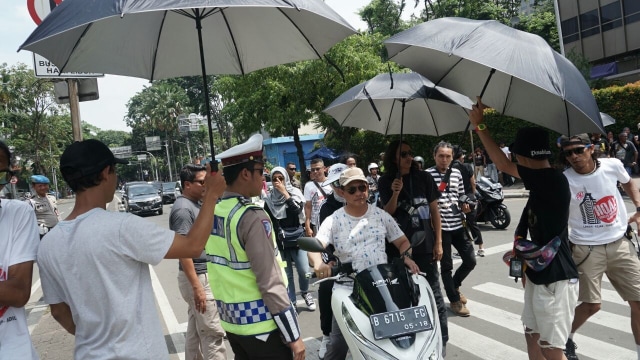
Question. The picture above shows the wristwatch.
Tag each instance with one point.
(480, 127)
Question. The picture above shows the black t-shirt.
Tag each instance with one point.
(467, 174)
(548, 216)
(330, 206)
(418, 186)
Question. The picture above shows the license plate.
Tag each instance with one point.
(400, 322)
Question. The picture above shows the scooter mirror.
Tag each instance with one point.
(310, 244)
(417, 238)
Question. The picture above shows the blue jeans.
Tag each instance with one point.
(291, 255)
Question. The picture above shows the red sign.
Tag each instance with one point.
(39, 9)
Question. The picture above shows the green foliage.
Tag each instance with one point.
(621, 102)
(384, 17)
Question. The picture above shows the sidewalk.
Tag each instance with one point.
(516, 190)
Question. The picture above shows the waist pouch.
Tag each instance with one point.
(537, 258)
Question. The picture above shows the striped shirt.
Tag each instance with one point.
(450, 212)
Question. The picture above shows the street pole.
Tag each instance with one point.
(74, 107)
(166, 144)
(189, 150)
(154, 160)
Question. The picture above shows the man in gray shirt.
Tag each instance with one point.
(205, 336)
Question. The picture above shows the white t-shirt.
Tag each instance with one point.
(98, 264)
(597, 214)
(313, 194)
(19, 242)
(360, 240)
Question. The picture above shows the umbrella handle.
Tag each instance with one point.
(214, 166)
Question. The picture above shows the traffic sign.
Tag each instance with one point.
(39, 9)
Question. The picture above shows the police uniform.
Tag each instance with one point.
(45, 207)
(250, 284)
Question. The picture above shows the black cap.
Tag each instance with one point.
(580, 139)
(532, 142)
(83, 158)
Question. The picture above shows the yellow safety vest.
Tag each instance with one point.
(233, 282)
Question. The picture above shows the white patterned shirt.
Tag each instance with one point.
(360, 240)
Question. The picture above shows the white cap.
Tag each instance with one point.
(352, 174)
(250, 150)
(334, 173)
(371, 166)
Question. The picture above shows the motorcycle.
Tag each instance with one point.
(388, 314)
(490, 206)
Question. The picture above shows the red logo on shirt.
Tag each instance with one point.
(606, 209)
(3, 277)
(580, 196)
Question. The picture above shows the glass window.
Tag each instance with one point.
(631, 6)
(570, 38)
(570, 26)
(632, 18)
(589, 19)
(610, 12)
(611, 25)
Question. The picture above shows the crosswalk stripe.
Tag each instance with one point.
(482, 346)
(587, 346)
(167, 314)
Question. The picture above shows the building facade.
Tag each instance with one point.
(606, 32)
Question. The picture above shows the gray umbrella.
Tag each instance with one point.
(158, 39)
(401, 104)
(515, 72)
(607, 119)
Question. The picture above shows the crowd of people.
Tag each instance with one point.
(237, 259)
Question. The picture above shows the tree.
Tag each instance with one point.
(384, 17)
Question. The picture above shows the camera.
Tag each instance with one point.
(464, 199)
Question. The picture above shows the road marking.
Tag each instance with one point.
(481, 346)
(588, 346)
(170, 320)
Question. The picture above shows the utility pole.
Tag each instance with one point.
(74, 107)
(166, 144)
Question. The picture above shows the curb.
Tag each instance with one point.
(516, 194)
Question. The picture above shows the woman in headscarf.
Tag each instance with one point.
(285, 206)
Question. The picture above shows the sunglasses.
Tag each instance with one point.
(5, 176)
(352, 189)
(278, 178)
(577, 151)
(293, 169)
(404, 154)
(201, 182)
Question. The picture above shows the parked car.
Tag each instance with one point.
(142, 199)
(170, 192)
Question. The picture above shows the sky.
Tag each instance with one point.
(107, 113)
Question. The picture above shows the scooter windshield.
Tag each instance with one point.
(383, 288)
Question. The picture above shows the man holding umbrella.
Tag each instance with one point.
(545, 217)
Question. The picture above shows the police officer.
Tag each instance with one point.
(250, 284)
(44, 204)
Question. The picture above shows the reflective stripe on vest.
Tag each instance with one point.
(233, 282)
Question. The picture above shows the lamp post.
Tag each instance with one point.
(166, 145)
(154, 160)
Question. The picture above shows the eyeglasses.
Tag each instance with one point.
(316, 169)
(5, 176)
(352, 189)
(404, 154)
(201, 182)
(577, 151)
(293, 169)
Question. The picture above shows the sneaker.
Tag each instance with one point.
(323, 346)
(308, 299)
(463, 299)
(456, 256)
(480, 252)
(459, 309)
(570, 350)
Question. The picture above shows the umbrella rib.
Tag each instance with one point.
(504, 107)
(300, 32)
(62, 68)
(393, 105)
(233, 39)
(155, 52)
(448, 71)
(435, 126)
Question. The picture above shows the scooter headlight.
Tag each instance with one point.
(353, 329)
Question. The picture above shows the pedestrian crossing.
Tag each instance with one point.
(493, 331)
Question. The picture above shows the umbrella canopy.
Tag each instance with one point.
(531, 81)
(157, 39)
(607, 119)
(401, 104)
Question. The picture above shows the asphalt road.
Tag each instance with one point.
(493, 331)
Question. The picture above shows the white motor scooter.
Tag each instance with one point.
(387, 314)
